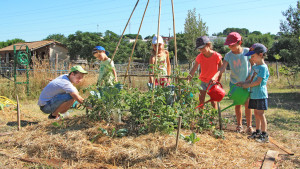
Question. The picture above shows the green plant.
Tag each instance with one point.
(218, 134)
(192, 138)
(60, 124)
(113, 133)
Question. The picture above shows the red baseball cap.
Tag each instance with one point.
(233, 38)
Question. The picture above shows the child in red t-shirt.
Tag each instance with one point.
(210, 62)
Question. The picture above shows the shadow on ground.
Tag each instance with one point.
(23, 123)
(288, 101)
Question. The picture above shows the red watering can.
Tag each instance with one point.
(216, 92)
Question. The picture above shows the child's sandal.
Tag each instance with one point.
(239, 129)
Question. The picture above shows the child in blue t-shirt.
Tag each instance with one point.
(258, 91)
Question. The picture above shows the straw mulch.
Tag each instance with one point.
(70, 147)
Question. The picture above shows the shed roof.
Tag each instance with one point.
(31, 45)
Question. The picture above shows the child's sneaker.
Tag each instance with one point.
(64, 115)
(53, 117)
(239, 129)
(263, 138)
(249, 130)
(254, 135)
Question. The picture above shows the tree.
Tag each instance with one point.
(10, 42)
(265, 39)
(243, 31)
(291, 26)
(288, 44)
(132, 36)
(57, 37)
(81, 44)
(182, 50)
(256, 33)
(290, 39)
(218, 46)
(193, 28)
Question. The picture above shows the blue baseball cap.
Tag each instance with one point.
(201, 42)
(257, 48)
(100, 48)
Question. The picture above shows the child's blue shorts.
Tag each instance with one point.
(258, 104)
(55, 102)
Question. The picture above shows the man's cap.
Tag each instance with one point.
(233, 38)
(257, 48)
(156, 40)
(201, 42)
(79, 69)
(100, 48)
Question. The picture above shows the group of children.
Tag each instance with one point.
(248, 70)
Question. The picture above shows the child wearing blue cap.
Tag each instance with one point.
(257, 81)
(107, 72)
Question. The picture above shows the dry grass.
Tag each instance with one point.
(72, 147)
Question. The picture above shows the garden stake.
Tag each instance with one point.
(178, 132)
(220, 117)
(18, 114)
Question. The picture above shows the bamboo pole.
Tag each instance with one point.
(112, 58)
(156, 53)
(178, 132)
(135, 42)
(18, 114)
(174, 32)
(220, 117)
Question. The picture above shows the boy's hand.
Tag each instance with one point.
(240, 84)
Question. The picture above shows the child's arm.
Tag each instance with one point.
(151, 62)
(252, 84)
(220, 65)
(115, 74)
(193, 70)
(221, 70)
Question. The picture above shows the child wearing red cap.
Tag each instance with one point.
(210, 62)
(240, 69)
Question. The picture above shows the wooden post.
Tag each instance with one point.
(56, 64)
(178, 132)
(270, 159)
(18, 114)
(220, 117)
(277, 72)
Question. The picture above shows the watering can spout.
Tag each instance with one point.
(227, 107)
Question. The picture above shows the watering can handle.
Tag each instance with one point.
(216, 82)
(231, 88)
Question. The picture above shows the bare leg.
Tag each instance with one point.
(202, 97)
(263, 120)
(238, 113)
(257, 119)
(63, 107)
(248, 114)
(214, 105)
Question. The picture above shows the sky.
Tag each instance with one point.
(34, 20)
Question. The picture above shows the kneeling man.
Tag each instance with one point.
(60, 94)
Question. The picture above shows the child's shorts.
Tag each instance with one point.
(258, 104)
(55, 102)
(204, 85)
(162, 82)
